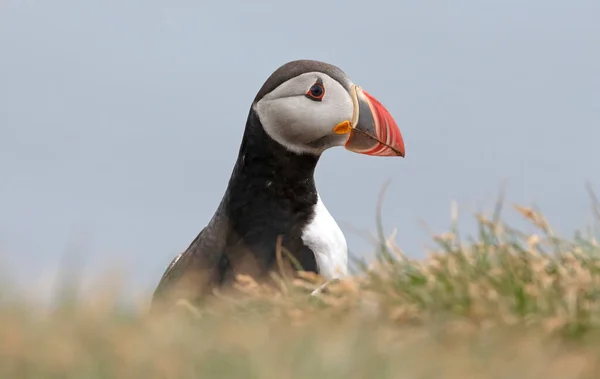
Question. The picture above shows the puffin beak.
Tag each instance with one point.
(372, 130)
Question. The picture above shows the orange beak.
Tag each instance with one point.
(374, 131)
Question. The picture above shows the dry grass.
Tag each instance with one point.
(502, 305)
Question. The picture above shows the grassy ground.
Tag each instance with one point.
(499, 305)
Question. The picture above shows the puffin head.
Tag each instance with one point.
(309, 106)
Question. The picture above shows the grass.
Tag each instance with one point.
(500, 304)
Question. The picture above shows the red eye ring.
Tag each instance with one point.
(316, 92)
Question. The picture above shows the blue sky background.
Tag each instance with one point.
(120, 121)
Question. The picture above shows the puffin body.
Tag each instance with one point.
(271, 202)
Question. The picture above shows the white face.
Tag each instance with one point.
(303, 123)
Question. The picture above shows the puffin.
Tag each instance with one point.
(271, 203)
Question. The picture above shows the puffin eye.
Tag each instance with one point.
(316, 92)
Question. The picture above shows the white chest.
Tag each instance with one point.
(327, 241)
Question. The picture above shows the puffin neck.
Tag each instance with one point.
(267, 168)
(271, 193)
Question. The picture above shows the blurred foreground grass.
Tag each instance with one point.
(500, 305)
